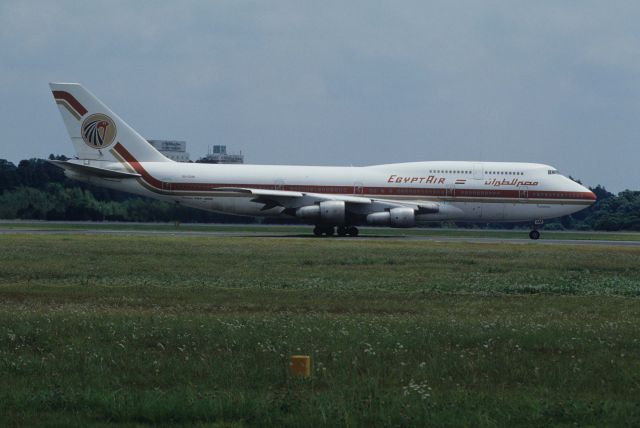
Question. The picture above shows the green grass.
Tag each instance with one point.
(96, 330)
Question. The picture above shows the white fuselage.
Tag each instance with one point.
(466, 191)
(112, 154)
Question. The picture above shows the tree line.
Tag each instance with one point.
(37, 190)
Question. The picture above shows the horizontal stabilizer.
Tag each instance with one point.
(93, 170)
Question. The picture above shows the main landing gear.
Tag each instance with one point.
(534, 234)
(330, 230)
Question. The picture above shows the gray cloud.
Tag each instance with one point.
(340, 82)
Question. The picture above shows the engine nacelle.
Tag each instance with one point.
(311, 212)
(396, 217)
(379, 219)
(329, 212)
(402, 217)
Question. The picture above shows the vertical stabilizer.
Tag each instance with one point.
(95, 130)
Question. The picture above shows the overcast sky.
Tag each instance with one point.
(339, 82)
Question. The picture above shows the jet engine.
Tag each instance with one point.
(395, 217)
(329, 212)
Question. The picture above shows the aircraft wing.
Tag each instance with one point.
(245, 191)
(287, 195)
(356, 204)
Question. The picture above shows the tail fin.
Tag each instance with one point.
(95, 130)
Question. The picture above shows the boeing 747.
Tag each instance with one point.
(110, 153)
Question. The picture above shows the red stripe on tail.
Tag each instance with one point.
(137, 167)
(63, 95)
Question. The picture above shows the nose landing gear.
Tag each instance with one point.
(534, 234)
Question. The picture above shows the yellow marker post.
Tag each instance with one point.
(301, 365)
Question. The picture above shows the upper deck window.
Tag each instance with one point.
(552, 171)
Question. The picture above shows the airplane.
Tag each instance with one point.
(336, 200)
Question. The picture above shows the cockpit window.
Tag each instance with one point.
(553, 171)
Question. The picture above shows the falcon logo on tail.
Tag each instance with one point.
(98, 131)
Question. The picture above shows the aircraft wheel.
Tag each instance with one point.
(317, 231)
(534, 234)
(329, 230)
(352, 231)
(342, 230)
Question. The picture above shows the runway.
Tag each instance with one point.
(366, 235)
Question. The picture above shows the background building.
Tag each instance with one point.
(219, 155)
(173, 149)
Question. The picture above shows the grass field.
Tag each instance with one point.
(164, 330)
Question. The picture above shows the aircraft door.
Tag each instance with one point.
(278, 184)
(478, 171)
(451, 190)
(358, 188)
(523, 194)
